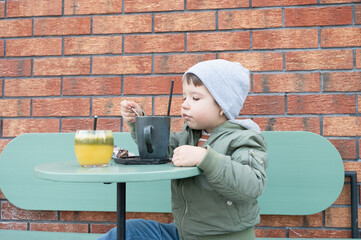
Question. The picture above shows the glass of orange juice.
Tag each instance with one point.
(94, 148)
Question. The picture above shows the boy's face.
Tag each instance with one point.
(199, 109)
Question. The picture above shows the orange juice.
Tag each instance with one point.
(94, 148)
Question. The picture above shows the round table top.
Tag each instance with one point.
(71, 171)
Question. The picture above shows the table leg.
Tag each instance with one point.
(121, 211)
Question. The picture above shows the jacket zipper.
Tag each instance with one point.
(185, 210)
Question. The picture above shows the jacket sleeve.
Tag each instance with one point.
(176, 139)
(132, 131)
(242, 175)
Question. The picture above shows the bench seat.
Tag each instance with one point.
(305, 176)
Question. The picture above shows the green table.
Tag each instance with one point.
(71, 171)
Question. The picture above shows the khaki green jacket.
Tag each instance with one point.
(223, 199)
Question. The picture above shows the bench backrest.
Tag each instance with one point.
(305, 176)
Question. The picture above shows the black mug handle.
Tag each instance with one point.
(148, 138)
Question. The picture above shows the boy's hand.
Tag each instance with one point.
(127, 112)
(188, 156)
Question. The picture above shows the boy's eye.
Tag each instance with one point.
(195, 98)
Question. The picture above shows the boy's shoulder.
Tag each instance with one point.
(238, 128)
(235, 132)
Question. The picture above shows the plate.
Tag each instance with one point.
(136, 160)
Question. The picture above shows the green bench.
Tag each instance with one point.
(305, 176)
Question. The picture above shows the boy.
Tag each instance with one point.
(221, 203)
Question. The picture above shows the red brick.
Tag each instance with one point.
(321, 104)
(71, 125)
(211, 4)
(176, 124)
(14, 225)
(59, 227)
(16, 28)
(3, 143)
(341, 81)
(2, 48)
(185, 21)
(122, 65)
(338, 1)
(16, 127)
(359, 106)
(61, 26)
(2, 9)
(319, 233)
(15, 67)
(101, 228)
(122, 24)
(152, 85)
(357, 14)
(310, 124)
(263, 104)
(246, 19)
(256, 61)
(92, 86)
(277, 3)
(111, 106)
(152, 6)
(271, 233)
(34, 47)
(358, 58)
(353, 166)
(342, 126)
(338, 217)
(1, 87)
(319, 59)
(154, 43)
(286, 38)
(93, 45)
(341, 37)
(10, 212)
(161, 106)
(318, 16)
(78, 7)
(346, 147)
(211, 41)
(287, 82)
(88, 216)
(159, 217)
(61, 107)
(15, 107)
(178, 63)
(345, 196)
(61, 66)
(291, 221)
(32, 87)
(28, 8)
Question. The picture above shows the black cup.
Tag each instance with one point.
(152, 134)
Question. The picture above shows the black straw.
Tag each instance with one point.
(95, 123)
(170, 97)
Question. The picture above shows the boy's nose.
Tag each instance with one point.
(185, 105)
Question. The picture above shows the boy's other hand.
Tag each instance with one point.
(126, 110)
(188, 156)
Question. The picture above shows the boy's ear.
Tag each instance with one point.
(221, 113)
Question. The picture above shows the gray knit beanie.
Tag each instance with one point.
(228, 82)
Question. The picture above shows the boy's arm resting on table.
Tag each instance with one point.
(242, 175)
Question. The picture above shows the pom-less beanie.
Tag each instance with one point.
(228, 83)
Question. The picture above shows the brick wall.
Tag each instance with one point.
(63, 61)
